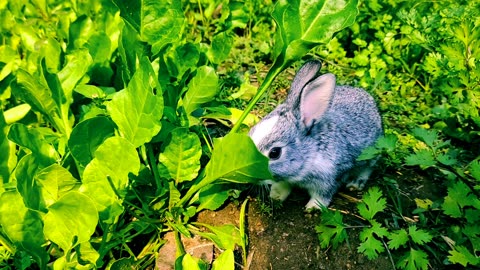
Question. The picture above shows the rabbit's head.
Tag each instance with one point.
(283, 134)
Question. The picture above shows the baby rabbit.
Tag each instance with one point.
(314, 138)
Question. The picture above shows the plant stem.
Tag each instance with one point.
(153, 166)
(7, 244)
(277, 67)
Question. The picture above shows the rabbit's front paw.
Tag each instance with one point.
(280, 191)
(316, 202)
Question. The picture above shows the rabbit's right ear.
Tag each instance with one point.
(305, 74)
(315, 99)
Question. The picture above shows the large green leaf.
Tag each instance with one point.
(212, 197)
(78, 63)
(182, 155)
(226, 261)
(23, 226)
(235, 158)
(105, 179)
(25, 172)
(135, 109)
(306, 24)
(87, 136)
(68, 222)
(36, 94)
(158, 22)
(201, 89)
(225, 236)
(54, 181)
(32, 139)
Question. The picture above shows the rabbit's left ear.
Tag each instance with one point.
(315, 99)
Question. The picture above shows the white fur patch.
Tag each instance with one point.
(263, 129)
(280, 190)
(324, 165)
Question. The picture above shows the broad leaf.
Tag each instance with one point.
(54, 181)
(36, 94)
(182, 155)
(25, 172)
(226, 261)
(69, 223)
(32, 139)
(212, 197)
(201, 89)
(303, 25)
(87, 136)
(23, 226)
(224, 237)
(135, 109)
(236, 159)
(78, 63)
(189, 263)
(221, 45)
(105, 179)
(158, 22)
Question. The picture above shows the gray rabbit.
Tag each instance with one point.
(314, 138)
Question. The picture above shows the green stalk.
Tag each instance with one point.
(153, 166)
(278, 66)
(7, 244)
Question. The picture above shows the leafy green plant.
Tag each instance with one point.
(102, 113)
(446, 231)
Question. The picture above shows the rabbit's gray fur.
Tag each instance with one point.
(321, 129)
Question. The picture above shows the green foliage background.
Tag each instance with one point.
(111, 104)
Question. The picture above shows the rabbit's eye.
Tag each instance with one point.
(275, 153)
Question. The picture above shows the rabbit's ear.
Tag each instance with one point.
(315, 99)
(304, 75)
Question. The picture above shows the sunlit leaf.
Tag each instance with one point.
(182, 155)
(87, 136)
(225, 236)
(32, 139)
(245, 166)
(373, 203)
(135, 109)
(413, 260)
(225, 261)
(305, 24)
(212, 197)
(23, 226)
(105, 179)
(69, 223)
(201, 89)
(54, 181)
(158, 22)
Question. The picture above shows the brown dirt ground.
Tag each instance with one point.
(286, 238)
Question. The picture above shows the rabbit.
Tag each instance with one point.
(313, 139)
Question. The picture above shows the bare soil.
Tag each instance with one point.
(285, 238)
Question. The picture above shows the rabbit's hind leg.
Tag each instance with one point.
(361, 174)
